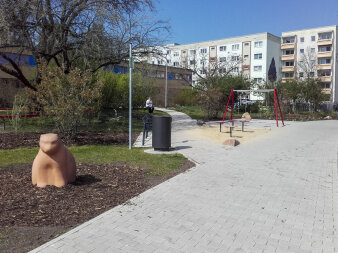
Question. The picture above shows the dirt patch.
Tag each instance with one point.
(31, 216)
(31, 139)
(212, 133)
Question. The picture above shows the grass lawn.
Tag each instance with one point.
(194, 111)
(156, 165)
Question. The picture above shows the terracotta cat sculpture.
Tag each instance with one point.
(54, 164)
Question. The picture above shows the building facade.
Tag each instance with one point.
(249, 55)
(9, 85)
(312, 53)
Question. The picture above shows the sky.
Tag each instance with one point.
(202, 20)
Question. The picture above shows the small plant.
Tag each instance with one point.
(19, 103)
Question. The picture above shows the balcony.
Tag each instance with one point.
(285, 79)
(288, 68)
(287, 45)
(327, 54)
(325, 79)
(324, 66)
(324, 42)
(287, 57)
(326, 91)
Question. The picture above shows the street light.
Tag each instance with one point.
(166, 82)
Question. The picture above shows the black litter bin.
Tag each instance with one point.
(161, 133)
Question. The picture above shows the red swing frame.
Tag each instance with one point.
(276, 101)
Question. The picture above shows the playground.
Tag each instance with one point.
(212, 133)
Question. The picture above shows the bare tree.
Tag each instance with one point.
(307, 64)
(89, 34)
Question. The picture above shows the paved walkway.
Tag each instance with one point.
(276, 194)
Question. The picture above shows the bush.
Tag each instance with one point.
(115, 92)
(68, 97)
(187, 97)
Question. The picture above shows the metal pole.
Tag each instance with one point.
(166, 84)
(130, 95)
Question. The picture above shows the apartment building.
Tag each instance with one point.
(312, 53)
(249, 55)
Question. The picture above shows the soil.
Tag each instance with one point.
(31, 216)
(31, 139)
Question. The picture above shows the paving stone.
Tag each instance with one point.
(274, 194)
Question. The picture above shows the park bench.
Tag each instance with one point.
(4, 117)
(147, 126)
(232, 123)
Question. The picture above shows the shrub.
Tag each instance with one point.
(187, 97)
(115, 92)
(68, 97)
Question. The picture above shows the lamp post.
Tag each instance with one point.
(166, 83)
(130, 94)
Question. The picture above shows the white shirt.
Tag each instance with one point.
(149, 103)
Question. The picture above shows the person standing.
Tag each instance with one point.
(149, 105)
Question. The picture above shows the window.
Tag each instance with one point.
(324, 61)
(203, 51)
(222, 59)
(222, 48)
(192, 62)
(289, 40)
(301, 51)
(324, 73)
(160, 62)
(258, 56)
(168, 51)
(184, 52)
(302, 39)
(258, 68)
(246, 56)
(176, 54)
(325, 85)
(288, 74)
(313, 38)
(325, 36)
(168, 61)
(301, 74)
(287, 52)
(212, 48)
(246, 44)
(176, 64)
(258, 80)
(246, 68)
(235, 58)
(312, 74)
(236, 69)
(313, 50)
(288, 63)
(235, 47)
(222, 70)
(202, 71)
(202, 62)
(17, 58)
(324, 49)
(258, 43)
(192, 52)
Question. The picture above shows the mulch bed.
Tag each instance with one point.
(31, 139)
(31, 216)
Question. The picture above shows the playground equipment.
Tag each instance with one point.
(276, 101)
